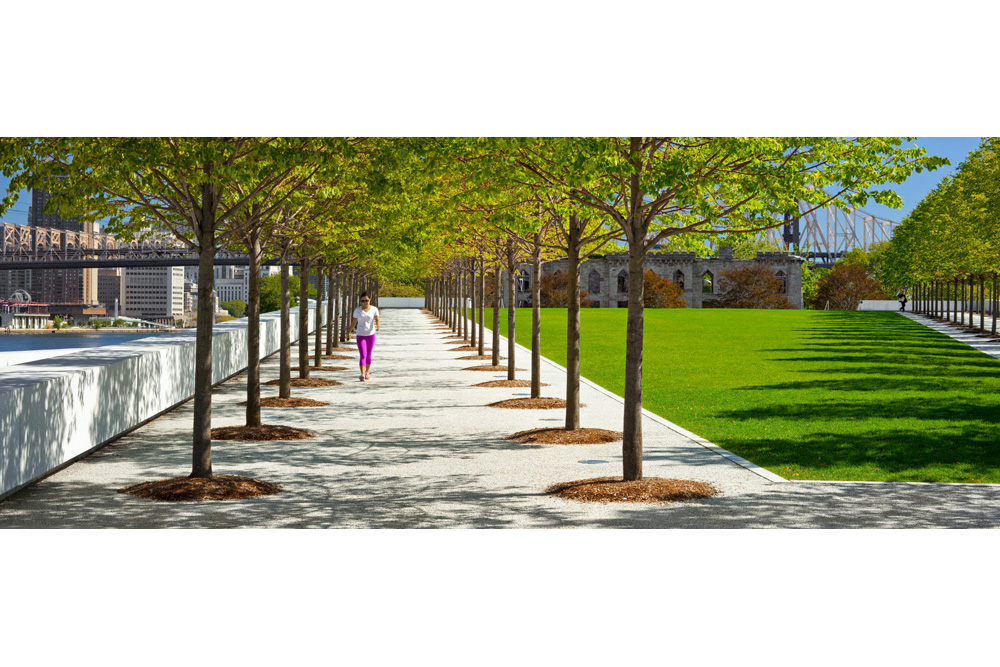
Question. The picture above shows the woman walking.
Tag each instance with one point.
(365, 319)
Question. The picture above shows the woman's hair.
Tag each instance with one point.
(363, 295)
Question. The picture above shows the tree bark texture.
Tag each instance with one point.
(632, 440)
(285, 357)
(320, 294)
(536, 318)
(253, 331)
(473, 337)
(330, 307)
(632, 429)
(201, 452)
(982, 304)
(304, 319)
(573, 328)
(511, 314)
(496, 317)
(482, 297)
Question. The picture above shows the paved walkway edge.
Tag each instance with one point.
(738, 460)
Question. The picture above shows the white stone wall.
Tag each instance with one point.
(666, 265)
(54, 410)
(400, 302)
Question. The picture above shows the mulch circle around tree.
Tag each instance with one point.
(295, 369)
(308, 382)
(540, 403)
(294, 402)
(468, 348)
(507, 383)
(217, 487)
(477, 357)
(647, 490)
(560, 436)
(338, 356)
(262, 432)
(495, 369)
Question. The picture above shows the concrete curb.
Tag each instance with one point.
(738, 460)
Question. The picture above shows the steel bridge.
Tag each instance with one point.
(824, 235)
(25, 247)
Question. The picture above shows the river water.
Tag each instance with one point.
(21, 347)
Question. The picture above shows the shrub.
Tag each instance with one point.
(750, 287)
(270, 292)
(845, 286)
(237, 308)
(555, 291)
(393, 289)
(661, 292)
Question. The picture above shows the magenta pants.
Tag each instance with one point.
(365, 345)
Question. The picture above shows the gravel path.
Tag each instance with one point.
(416, 447)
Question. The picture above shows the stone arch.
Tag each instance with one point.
(594, 282)
(707, 282)
(679, 278)
(780, 275)
(623, 281)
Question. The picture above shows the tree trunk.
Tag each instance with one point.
(285, 357)
(961, 302)
(482, 297)
(573, 328)
(320, 293)
(453, 303)
(632, 441)
(993, 305)
(460, 304)
(536, 317)
(496, 316)
(330, 307)
(304, 318)
(474, 337)
(982, 304)
(253, 330)
(201, 452)
(632, 429)
(345, 310)
(511, 314)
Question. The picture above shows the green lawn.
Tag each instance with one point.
(806, 394)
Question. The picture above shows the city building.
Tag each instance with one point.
(109, 289)
(21, 315)
(62, 286)
(153, 293)
(604, 280)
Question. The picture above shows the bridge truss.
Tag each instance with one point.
(824, 235)
(25, 247)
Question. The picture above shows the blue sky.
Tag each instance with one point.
(912, 191)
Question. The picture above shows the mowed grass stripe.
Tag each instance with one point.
(807, 394)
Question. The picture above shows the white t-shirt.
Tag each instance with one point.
(366, 321)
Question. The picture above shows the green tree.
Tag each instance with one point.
(237, 308)
(270, 292)
(653, 188)
(185, 185)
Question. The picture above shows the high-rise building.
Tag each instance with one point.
(153, 293)
(64, 286)
(109, 288)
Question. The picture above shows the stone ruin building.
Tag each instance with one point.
(605, 280)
